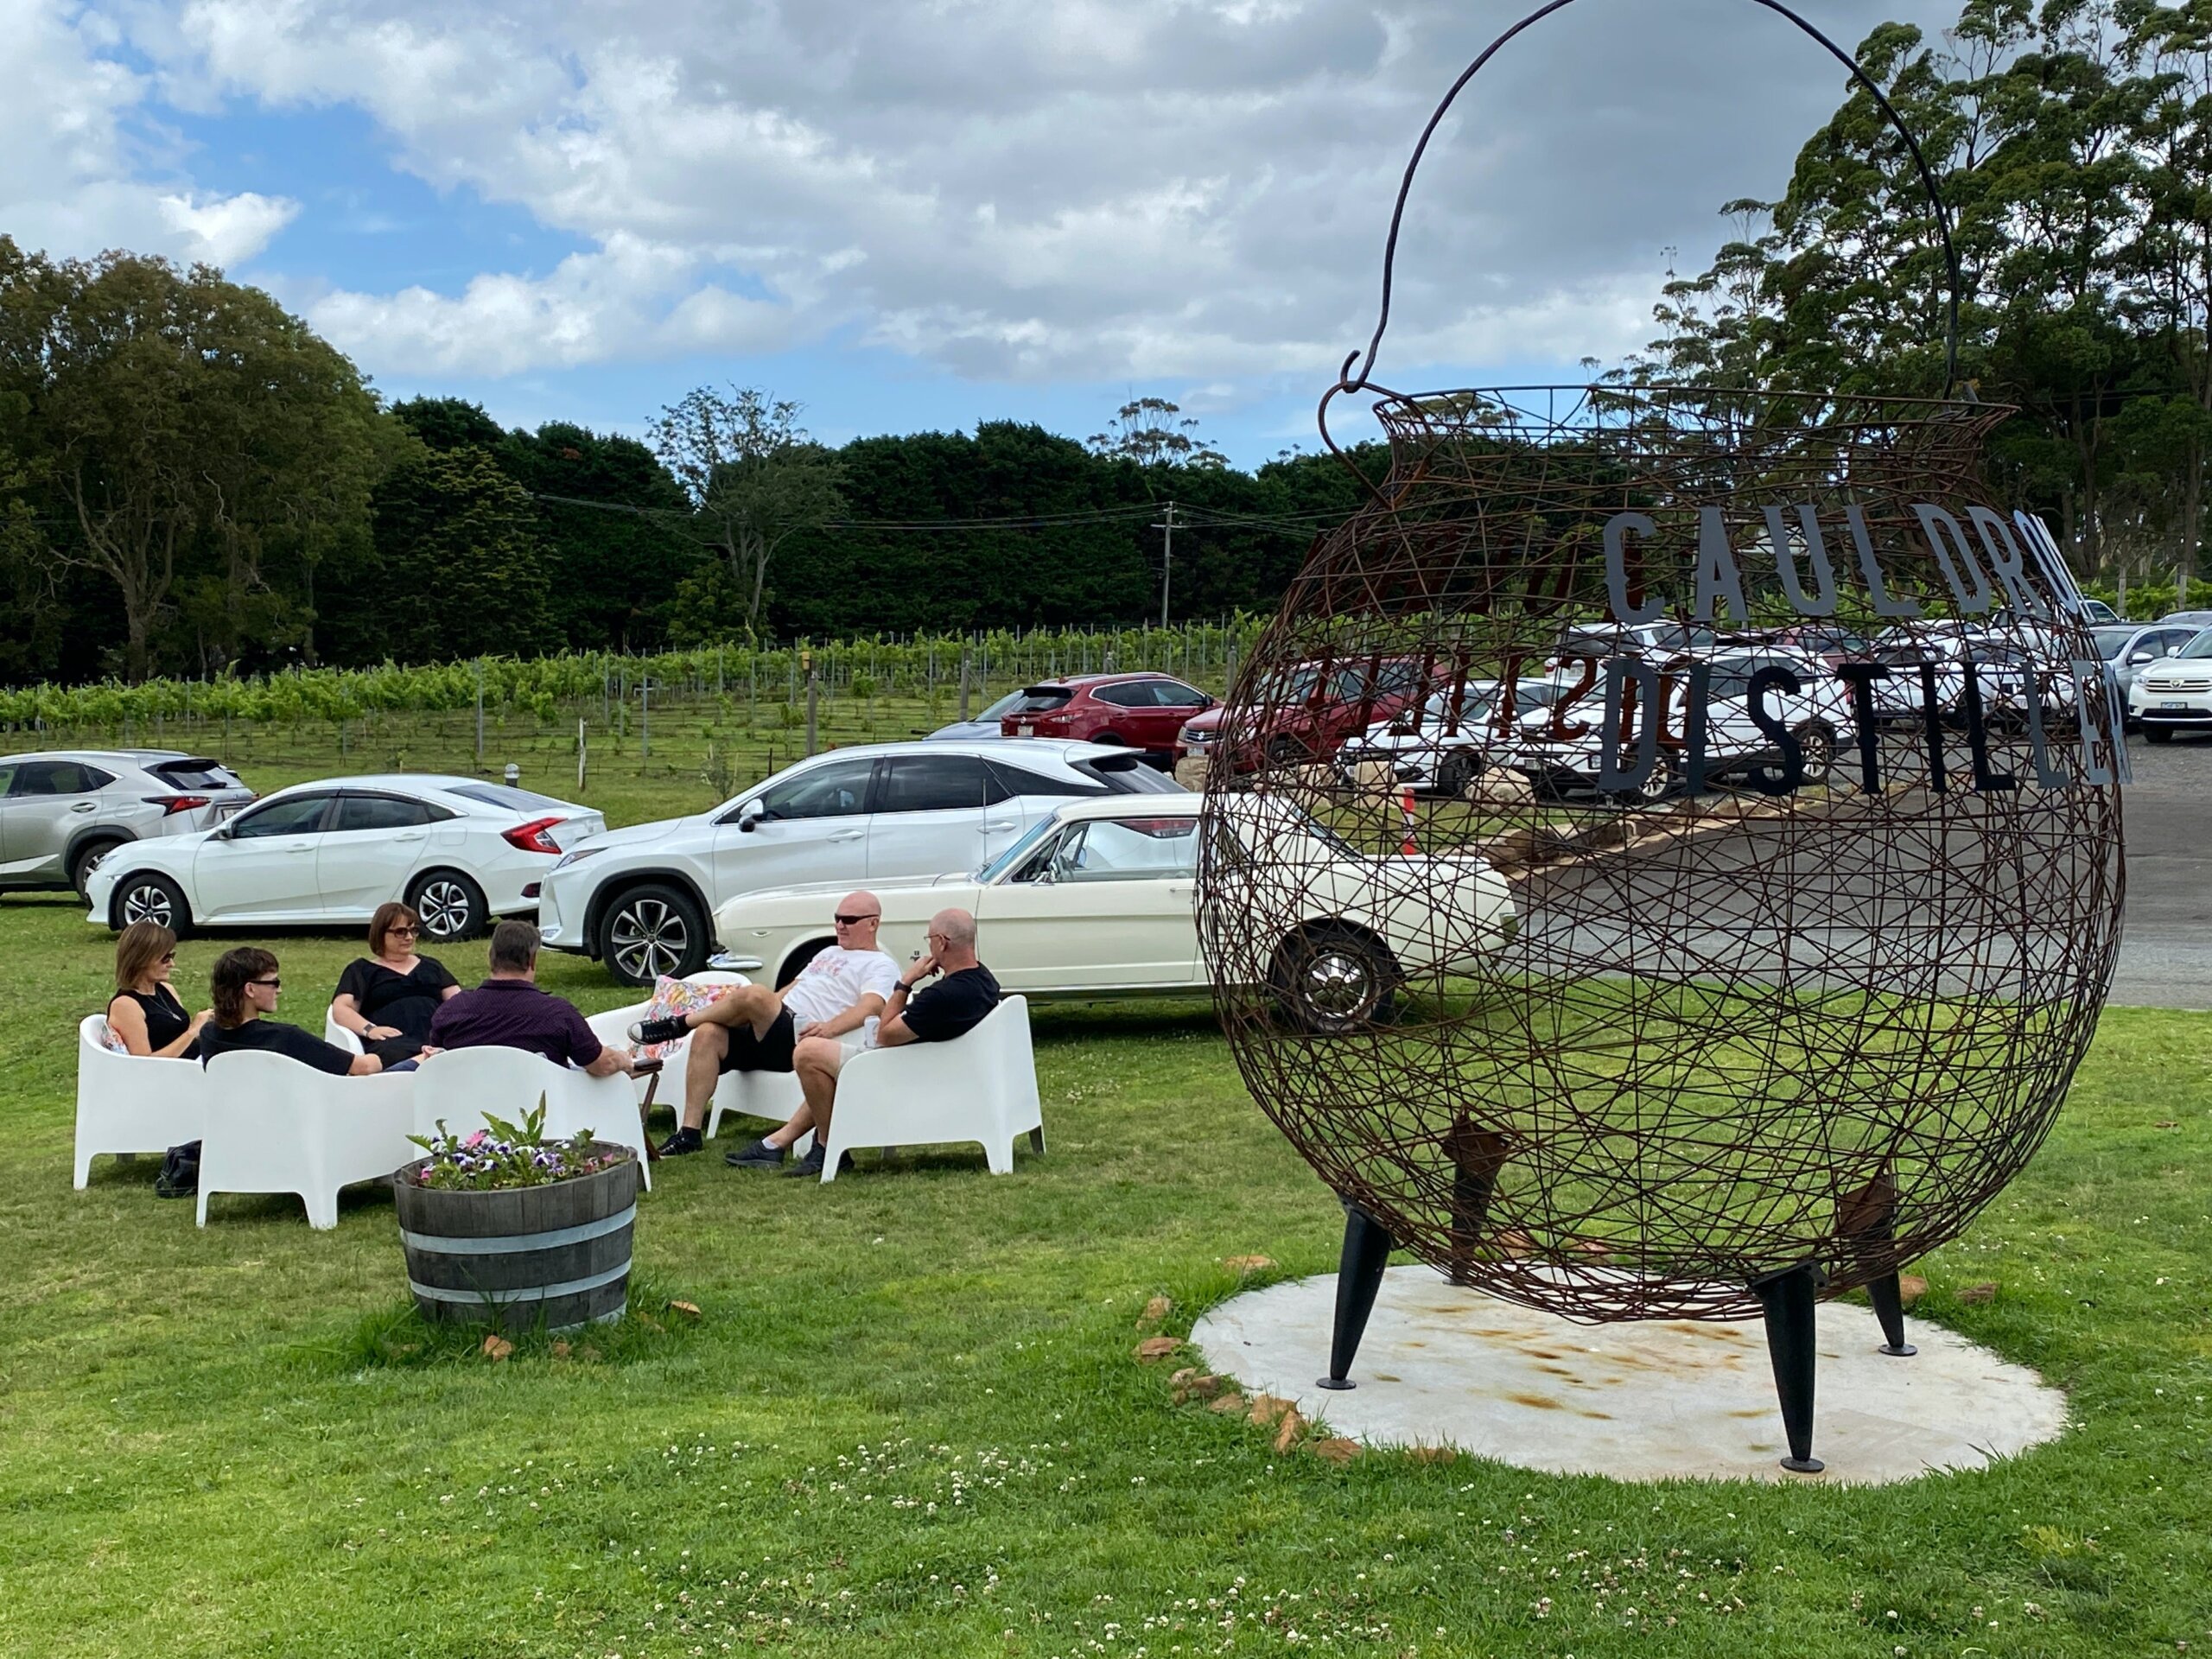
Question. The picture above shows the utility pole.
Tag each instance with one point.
(1166, 559)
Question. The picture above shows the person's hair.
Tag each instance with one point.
(226, 983)
(514, 947)
(956, 927)
(390, 914)
(139, 949)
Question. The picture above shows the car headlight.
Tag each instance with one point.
(577, 857)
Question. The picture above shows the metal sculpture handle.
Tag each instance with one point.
(1348, 381)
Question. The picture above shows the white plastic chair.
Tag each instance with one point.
(982, 1087)
(274, 1125)
(338, 1036)
(461, 1084)
(773, 1095)
(130, 1103)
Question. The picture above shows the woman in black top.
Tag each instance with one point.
(387, 997)
(144, 1011)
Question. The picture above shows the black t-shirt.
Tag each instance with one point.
(276, 1038)
(387, 997)
(953, 1006)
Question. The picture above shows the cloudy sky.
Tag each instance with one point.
(915, 214)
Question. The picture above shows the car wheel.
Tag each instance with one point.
(1333, 979)
(1454, 772)
(652, 931)
(149, 898)
(795, 963)
(2157, 734)
(1111, 740)
(451, 905)
(81, 861)
(1819, 744)
(1661, 781)
(1284, 752)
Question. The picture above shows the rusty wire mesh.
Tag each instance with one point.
(1713, 1037)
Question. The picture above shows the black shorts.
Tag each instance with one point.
(771, 1053)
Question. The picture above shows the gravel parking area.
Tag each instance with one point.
(2165, 954)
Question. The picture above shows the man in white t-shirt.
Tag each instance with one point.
(839, 994)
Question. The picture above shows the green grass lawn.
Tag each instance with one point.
(911, 1421)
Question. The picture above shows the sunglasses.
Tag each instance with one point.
(272, 984)
(168, 955)
(855, 921)
(404, 932)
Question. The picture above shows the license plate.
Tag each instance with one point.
(1025, 731)
(228, 810)
(2178, 706)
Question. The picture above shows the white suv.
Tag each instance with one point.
(639, 899)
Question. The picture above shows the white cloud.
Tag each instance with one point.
(1039, 189)
(79, 174)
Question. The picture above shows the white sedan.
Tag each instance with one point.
(459, 850)
(1099, 899)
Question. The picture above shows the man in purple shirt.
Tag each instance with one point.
(509, 1011)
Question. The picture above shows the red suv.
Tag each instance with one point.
(1142, 711)
(1307, 711)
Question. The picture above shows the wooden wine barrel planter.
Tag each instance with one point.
(558, 1255)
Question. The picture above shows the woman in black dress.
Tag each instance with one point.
(144, 1013)
(387, 997)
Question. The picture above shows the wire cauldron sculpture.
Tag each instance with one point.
(1769, 883)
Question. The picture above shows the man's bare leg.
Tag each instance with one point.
(817, 1061)
(703, 1072)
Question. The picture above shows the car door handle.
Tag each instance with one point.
(411, 834)
(850, 835)
(85, 806)
(992, 828)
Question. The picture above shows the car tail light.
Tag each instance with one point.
(530, 889)
(536, 836)
(173, 804)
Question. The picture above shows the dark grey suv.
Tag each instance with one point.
(62, 810)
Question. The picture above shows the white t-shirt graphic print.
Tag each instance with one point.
(834, 981)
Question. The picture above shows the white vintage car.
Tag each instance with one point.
(1099, 901)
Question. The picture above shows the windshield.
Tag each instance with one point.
(2200, 646)
(519, 800)
(1004, 706)
(992, 869)
(2111, 641)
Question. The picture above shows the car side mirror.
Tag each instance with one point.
(2173, 651)
(2136, 656)
(749, 815)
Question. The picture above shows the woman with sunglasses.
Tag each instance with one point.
(244, 985)
(144, 1013)
(387, 997)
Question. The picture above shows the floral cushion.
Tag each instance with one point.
(109, 1040)
(672, 997)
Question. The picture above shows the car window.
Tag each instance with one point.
(1042, 700)
(2171, 639)
(836, 790)
(1173, 694)
(1128, 849)
(194, 774)
(1009, 780)
(2199, 646)
(1136, 695)
(1005, 705)
(295, 814)
(7, 776)
(2110, 642)
(59, 778)
(1129, 774)
(1019, 854)
(930, 783)
(380, 812)
(521, 800)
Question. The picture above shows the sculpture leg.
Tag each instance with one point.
(1788, 1298)
(1359, 1276)
(1477, 1156)
(1889, 1308)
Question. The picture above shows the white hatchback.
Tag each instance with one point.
(458, 850)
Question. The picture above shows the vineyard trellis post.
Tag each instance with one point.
(811, 702)
(581, 752)
(963, 685)
(479, 714)
(645, 718)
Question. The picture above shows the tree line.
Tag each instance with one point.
(192, 483)
(2071, 141)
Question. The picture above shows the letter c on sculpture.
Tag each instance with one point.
(1616, 529)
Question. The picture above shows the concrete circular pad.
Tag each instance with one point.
(1641, 1401)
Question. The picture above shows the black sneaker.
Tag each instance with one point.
(671, 1030)
(758, 1155)
(811, 1164)
(682, 1141)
